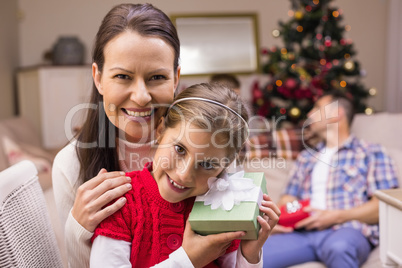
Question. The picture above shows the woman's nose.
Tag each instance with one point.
(140, 94)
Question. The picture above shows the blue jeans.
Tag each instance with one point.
(345, 247)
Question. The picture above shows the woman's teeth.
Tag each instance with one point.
(137, 114)
(176, 185)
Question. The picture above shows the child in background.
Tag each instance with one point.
(228, 80)
(199, 137)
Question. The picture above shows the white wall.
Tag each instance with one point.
(45, 20)
(8, 56)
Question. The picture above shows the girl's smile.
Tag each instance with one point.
(176, 186)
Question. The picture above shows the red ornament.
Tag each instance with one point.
(290, 83)
(342, 41)
(282, 111)
(264, 51)
(328, 43)
(318, 36)
(308, 8)
(269, 87)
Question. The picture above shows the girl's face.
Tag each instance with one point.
(138, 80)
(185, 159)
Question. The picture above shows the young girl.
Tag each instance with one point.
(200, 135)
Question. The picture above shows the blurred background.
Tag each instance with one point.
(30, 29)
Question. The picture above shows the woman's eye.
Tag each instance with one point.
(122, 76)
(180, 150)
(158, 77)
(207, 165)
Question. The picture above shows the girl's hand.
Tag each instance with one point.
(202, 250)
(92, 197)
(251, 248)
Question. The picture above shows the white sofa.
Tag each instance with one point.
(382, 128)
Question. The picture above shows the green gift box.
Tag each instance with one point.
(242, 217)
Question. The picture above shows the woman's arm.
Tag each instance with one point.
(78, 226)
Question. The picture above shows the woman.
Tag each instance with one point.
(135, 72)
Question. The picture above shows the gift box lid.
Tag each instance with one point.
(242, 217)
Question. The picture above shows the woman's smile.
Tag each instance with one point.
(138, 114)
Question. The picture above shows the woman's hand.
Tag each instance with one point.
(202, 250)
(251, 248)
(90, 208)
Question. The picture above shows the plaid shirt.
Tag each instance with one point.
(355, 174)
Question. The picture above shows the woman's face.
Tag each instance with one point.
(137, 82)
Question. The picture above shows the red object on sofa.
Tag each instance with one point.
(292, 212)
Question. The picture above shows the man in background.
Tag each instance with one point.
(339, 177)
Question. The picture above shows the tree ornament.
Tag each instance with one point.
(372, 91)
(342, 41)
(276, 33)
(294, 112)
(291, 83)
(369, 111)
(349, 66)
(299, 15)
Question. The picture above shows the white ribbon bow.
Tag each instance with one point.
(230, 190)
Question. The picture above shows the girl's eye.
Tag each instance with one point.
(122, 76)
(180, 150)
(158, 77)
(206, 165)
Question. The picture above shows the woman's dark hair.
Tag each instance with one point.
(96, 147)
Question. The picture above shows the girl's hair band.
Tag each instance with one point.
(210, 101)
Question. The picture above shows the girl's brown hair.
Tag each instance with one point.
(96, 147)
(228, 128)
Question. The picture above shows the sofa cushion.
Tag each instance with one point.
(15, 153)
(396, 155)
(382, 128)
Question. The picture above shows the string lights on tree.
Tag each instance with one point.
(315, 58)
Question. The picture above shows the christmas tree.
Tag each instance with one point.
(315, 58)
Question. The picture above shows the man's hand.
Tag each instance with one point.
(319, 219)
(279, 229)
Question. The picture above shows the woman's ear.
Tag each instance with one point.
(177, 78)
(96, 75)
(160, 128)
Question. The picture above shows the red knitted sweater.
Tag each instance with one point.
(154, 226)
